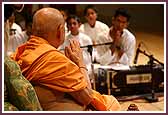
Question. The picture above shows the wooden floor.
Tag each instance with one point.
(153, 43)
(142, 103)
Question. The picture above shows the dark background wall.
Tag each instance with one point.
(145, 17)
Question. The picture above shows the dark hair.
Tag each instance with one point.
(8, 11)
(64, 10)
(122, 12)
(90, 7)
(73, 17)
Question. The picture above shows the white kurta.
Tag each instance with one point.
(84, 40)
(128, 44)
(66, 29)
(16, 39)
(17, 27)
(94, 32)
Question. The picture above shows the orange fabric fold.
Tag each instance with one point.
(37, 59)
(104, 102)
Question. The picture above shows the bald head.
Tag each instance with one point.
(45, 21)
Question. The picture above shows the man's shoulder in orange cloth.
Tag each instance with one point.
(42, 64)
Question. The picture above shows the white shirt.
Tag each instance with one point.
(66, 29)
(93, 32)
(128, 44)
(16, 39)
(17, 27)
(84, 40)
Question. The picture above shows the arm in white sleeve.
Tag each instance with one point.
(129, 50)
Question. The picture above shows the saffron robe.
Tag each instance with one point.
(43, 65)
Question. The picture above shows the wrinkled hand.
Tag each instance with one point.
(74, 52)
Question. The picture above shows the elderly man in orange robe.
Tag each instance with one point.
(61, 81)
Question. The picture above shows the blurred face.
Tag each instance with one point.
(91, 17)
(120, 22)
(73, 26)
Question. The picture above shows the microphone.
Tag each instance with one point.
(137, 53)
(90, 46)
(101, 44)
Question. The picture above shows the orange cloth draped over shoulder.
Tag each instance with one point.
(43, 64)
